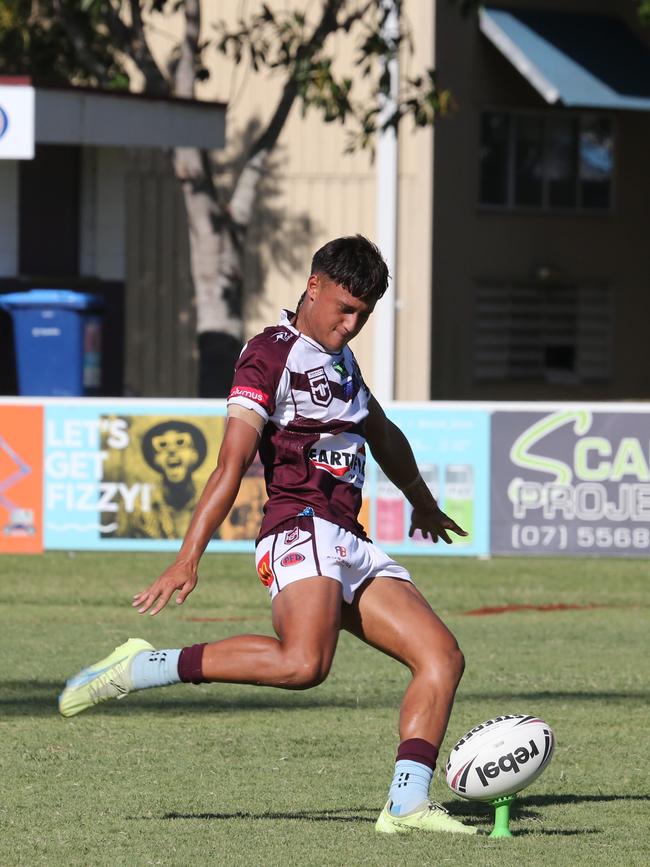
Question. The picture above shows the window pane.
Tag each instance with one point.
(529, 166)
(494, 159)
(596, 162)
(561, 161)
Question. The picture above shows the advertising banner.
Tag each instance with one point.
(126, 475)
(21, 479)
(571, 481)
(452, 450)
(129, 477)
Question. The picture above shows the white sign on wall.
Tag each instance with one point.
(16, 122)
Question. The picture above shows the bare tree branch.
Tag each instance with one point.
(155, 81)
(185, 73)
(327, 25)
(120, 33)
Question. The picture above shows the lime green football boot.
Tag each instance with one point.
(109, 678)
(427, 817)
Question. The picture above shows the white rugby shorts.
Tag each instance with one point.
(317, 547)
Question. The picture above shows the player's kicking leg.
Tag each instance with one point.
(394, 617)
(306, 618)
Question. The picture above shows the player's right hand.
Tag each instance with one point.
(179, 577)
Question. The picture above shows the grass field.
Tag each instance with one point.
(234, 775)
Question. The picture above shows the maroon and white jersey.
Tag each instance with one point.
(314, 403)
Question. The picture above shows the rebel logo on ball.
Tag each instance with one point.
(507, 763)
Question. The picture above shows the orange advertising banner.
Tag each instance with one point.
(21, 479)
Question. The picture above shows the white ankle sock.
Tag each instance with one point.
(155, 668)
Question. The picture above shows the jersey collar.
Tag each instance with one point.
(288, 317)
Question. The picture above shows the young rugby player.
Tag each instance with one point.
(298, 396)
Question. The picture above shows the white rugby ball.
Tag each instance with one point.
(499, 757)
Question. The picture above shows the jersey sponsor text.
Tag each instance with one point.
(251, 393)
(342, 456)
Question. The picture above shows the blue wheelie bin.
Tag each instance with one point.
(58, 339)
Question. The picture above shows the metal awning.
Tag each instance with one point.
(87, 117)
(83, 116)
(573, 59)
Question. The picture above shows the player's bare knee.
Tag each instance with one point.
(457, 664)
(445, 666)
(452, 666)
(308, 673)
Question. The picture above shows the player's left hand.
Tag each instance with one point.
(177, 577)
(434, 524)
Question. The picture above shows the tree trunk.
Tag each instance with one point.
(216, 266)
(217, 238)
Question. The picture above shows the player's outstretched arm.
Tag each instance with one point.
(235, 456)
(393, 453)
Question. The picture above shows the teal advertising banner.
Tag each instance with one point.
(127, 476)
(452, 448)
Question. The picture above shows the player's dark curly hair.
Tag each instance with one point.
(355, 263)
(198, 439)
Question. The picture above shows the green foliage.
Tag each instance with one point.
(283, 40)
(644, 11)
(36, 40)
(239, 775)
(82, 41)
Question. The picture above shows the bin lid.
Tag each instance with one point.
(51, 298)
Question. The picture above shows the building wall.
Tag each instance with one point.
(471, 244)
(313, 192)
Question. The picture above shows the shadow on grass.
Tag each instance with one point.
(38, 698)
(547, 800)
(521, 809)
(554, 695)
(360, 815)
(521, 806)
(351, 814)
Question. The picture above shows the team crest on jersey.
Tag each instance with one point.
(319, 386)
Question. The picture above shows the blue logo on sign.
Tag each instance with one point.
(4, 121)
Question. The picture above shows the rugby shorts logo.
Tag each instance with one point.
(341, 551)
(291, 536)
(292, 559)
(319, 386)
(264, 570)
